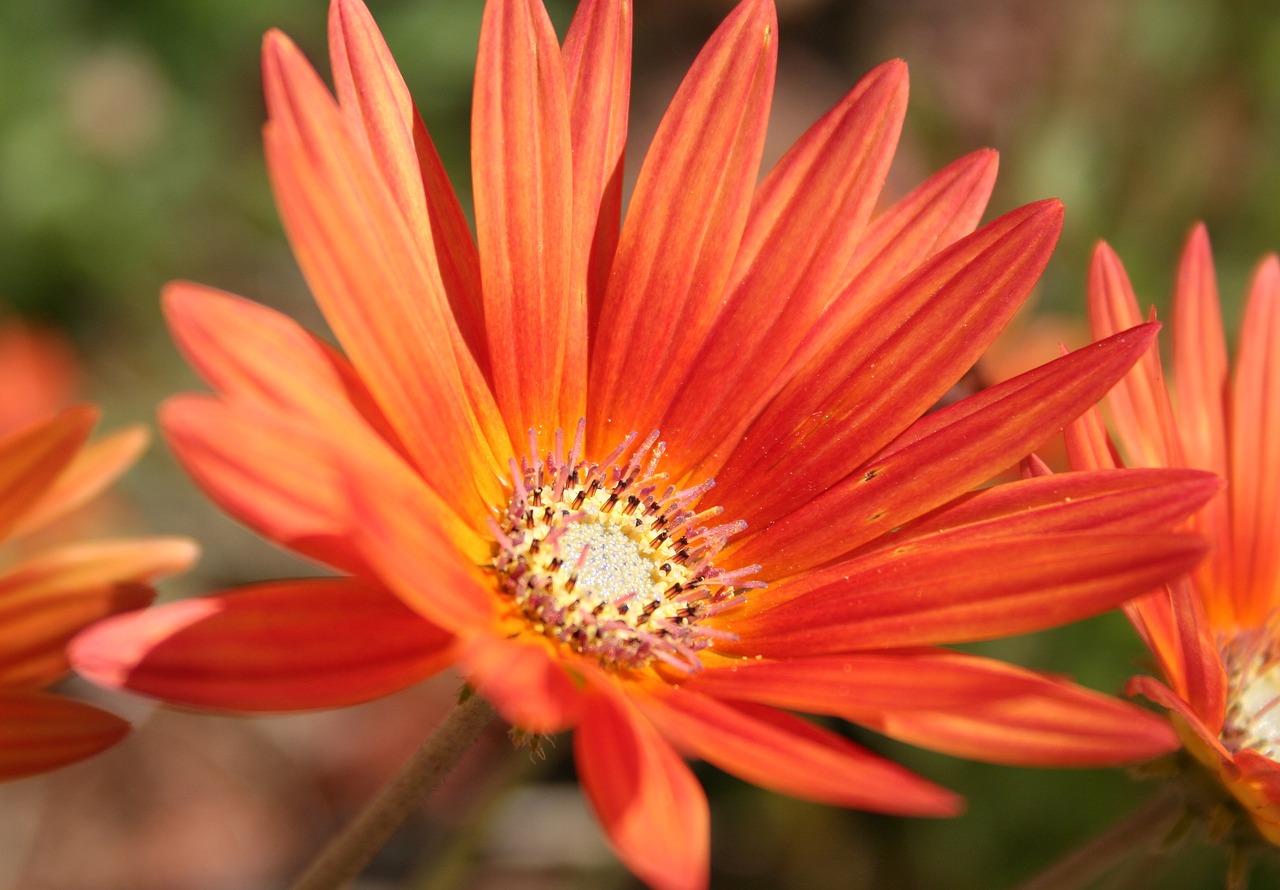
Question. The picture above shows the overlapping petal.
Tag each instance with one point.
(277, 646)
(41, 732)
(32, 459)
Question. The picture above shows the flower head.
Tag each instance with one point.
(479, 459)
(1213, 633)
(48, 595)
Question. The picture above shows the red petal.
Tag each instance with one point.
(32, 459)
(1103, 501)
(597, 64)
(41, 732)
(528, 687)
(806, 219)
(652, 808)
(683, 227)
(387, 308)
(96, 466)
(906, 351)
(279, 646)
(941, 457)
(47, 598)
(382, 120)
(522, 169)
(1255, 456)
(1060, 724)
(853, 685)
(783, 753)
(956, 589)
(1139, 402)
(1201, 385)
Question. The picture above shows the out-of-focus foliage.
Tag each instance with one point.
(130, 154)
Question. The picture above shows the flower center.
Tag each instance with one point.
(1253, 695)
(611, 560)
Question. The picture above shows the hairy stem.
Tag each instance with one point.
(354, 847)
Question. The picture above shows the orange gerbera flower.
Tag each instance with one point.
(471, 459)
(46, 471)
(1213, 633)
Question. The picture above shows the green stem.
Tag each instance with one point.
(354, 847)
(1141, 831)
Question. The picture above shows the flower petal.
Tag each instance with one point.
(238, 346)
(783, 753)
(960, 589)
(1255, 456)
(942, 456)
(528, 687)
(653, 810)
(40, 732)
(806, 219)
(855, 684)
(1103, 501)
(382, 119)
(1200, 383)
(683, 228)
(522, 169)
(278, 646)
(1059, 724)
(273, 472)
(1139, 402)
(909, 348)
(94, 467)
(45, 599)
(404, 534)
(33, 458)
(388, 309)
(597, 65)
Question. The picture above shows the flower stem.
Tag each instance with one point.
(1141, 831)
(350, 851)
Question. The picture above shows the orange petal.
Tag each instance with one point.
(404, 534)
(806, 219)
(1255, 455)
(269, 470)
(279, 646)
(905, 352)
(387, 308)
(96, 466)
(1200, 385)
(45, 599)
(528, 687)
(856, 684)
(783, 753)
(956, 589)
(33, 458)
(382, 119)
(1098, 502)
(683, 227)
(40, 371)
(522, 170)
(41, 732)
(597, 66)
(653, 810)
(941, 457)
(238, 346)
(1139, 403)
(1059, 724)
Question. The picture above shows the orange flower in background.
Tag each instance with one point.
(39, 374)
(46, 472)
(1213, 633)
(478, 462)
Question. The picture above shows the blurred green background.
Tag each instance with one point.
(130, 155)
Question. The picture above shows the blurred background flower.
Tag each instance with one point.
(130, 155)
